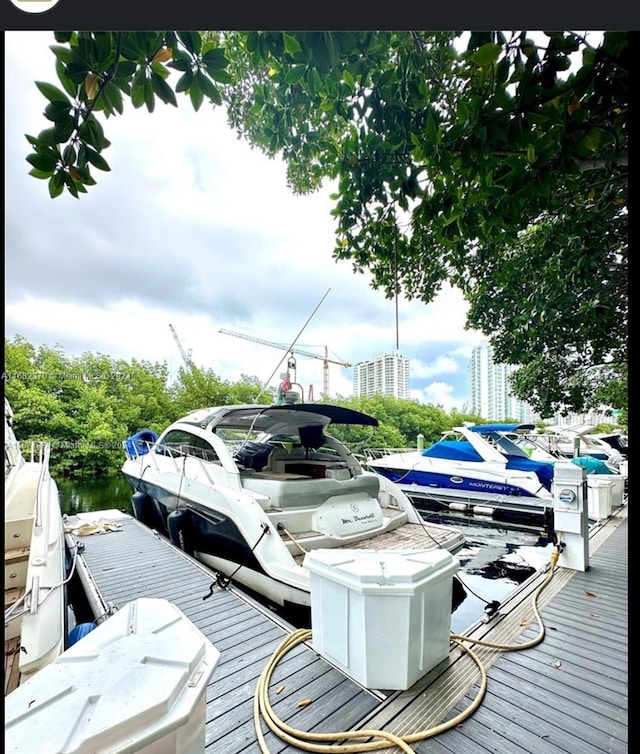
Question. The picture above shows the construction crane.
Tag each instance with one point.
(186, 355)
(285, 347)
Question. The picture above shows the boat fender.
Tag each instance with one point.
(79, 632)
(144, 509)
(177, 525)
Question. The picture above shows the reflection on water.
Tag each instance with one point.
(92, 495)
(493, 561)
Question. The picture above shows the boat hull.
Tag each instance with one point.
(453, 486)
(216, 540)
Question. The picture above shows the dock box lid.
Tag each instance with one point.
(135, 678)
(401, 568)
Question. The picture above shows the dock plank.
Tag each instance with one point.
(134, 562)
(566, 694)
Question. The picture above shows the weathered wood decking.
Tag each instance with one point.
(567, 694)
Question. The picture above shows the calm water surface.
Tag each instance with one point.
(493, 561)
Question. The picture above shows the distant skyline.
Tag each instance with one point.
(194, 228)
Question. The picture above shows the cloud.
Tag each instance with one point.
(194, 227)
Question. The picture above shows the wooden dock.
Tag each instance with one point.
(568, 693)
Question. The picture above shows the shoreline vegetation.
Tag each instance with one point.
(86, 406)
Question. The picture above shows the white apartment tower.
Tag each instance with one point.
(489, 389)
(386, 374)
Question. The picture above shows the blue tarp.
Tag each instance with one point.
(462, 450)
(456, 450)
(544, 469)
(138, 444)
(592, 465)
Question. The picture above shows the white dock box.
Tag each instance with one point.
(136, 683)
(617, 491)
(382, 616)
(599, 495)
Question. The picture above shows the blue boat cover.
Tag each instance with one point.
(544, 469)
(455, 450)
(137, 445)
(462, 450)
(592, 465)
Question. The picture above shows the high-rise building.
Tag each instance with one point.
(491, 398)
(489, 390)
(386, 374)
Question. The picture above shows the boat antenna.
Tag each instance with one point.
(295, 340)
(395, 264)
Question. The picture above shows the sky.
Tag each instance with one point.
(194, 228)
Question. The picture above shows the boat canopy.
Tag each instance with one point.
(487, 428)
(280, 416)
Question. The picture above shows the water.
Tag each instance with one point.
(494, 560)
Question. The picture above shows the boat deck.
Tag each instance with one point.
(568, 693)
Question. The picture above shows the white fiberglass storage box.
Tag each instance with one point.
(599, 495)
(136, 683)
(382, 616)
(617, 491)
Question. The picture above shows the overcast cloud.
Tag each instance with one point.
(193, 227)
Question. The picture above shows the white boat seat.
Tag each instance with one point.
(301, 492)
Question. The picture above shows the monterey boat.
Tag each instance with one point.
(248, 490)
(467, 468)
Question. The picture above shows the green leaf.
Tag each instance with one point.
(113, 97)
(348, 79)
(486, 55)
(69, 154)
(182, 64)
(215, 59)
(196, 95)
(35, 173)
(208, 88)
(137, 94)
(163, 90)
(56, 185)
(295, 74)
(42, 162)
(52, 93)
(97, 160)
(224, 77)
(47, 137)
(185, 81)
(57, 110)
(191, 40)
(149, 97)
(291, 44)
(432, 128)
(64, 54)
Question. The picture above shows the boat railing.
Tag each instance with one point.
(43, 488)
(372, 454)
(178, 456)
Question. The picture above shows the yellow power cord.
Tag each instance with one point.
(304, 740)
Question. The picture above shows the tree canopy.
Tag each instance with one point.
(86, 406)
(495, 161)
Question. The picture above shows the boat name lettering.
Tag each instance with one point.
(368, 517)
(487, 485)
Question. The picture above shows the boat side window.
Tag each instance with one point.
(183, 442)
